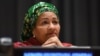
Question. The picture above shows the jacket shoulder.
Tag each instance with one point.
(18, 44)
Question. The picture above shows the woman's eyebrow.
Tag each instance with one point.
(43, 19)
(55, 19)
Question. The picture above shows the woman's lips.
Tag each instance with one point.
(51, 34)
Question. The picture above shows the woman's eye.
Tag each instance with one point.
(55, 22)
(44, 22)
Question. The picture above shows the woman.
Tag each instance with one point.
(41, 27)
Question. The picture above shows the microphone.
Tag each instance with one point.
(6, 48)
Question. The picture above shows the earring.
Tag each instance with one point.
(33, 35)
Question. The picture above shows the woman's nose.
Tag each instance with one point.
(51, 26)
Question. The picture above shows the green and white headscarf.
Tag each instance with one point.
(32, 16)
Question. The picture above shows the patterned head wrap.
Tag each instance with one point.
(32, 16)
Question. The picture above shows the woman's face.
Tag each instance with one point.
(47, 26)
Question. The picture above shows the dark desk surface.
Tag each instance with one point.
(86, 49)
